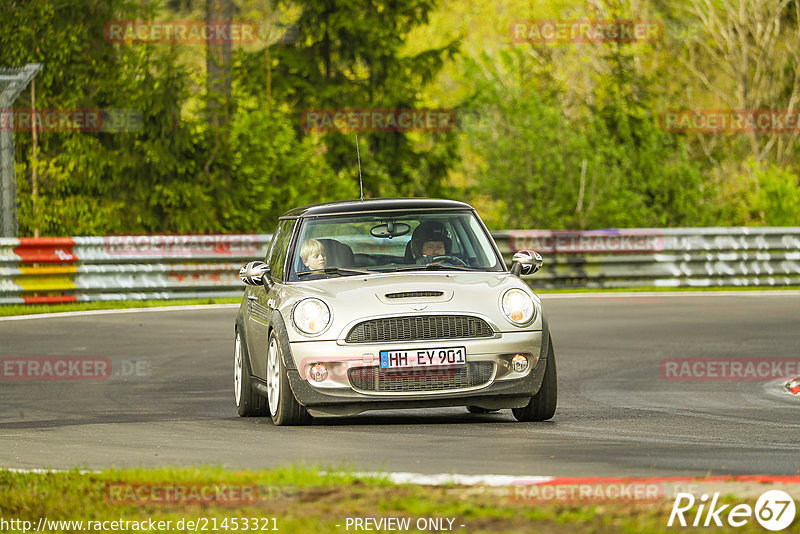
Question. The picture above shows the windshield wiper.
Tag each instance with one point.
(434, 267)
(334, 270)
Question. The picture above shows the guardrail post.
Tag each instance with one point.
(12, 83)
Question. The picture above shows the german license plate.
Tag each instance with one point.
(391, 359)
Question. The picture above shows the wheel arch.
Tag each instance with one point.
(544, 349)
(278, 325)
(238, 328)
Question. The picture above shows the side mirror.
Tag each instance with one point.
(255, 273)
(526, 262)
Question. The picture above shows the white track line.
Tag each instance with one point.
(40, 471)
(396, 478)
(443, 478)
(635, 294)
(120, 310)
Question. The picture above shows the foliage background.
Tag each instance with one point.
(559, 135)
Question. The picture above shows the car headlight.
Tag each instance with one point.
(518, 307)
(311, 316)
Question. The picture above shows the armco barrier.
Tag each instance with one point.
(167, 267)
(673, 257)
(124, 267)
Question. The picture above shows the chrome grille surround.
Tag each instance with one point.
(373, 379)
(419, 327)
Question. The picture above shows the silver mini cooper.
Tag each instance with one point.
(390, 304)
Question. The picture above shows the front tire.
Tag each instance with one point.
(283, 407)
(542, 405)
(248, 402)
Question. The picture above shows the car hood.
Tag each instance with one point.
(356, 298)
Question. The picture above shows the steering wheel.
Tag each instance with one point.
(452, 260)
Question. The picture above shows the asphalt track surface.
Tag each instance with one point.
(616, 417)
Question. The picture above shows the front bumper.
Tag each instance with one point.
(336, 396)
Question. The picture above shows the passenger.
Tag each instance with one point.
(313, 255)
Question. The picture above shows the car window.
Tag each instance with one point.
(276, 257)
(388, 241)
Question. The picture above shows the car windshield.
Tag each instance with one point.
(369, 243)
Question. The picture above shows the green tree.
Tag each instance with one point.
(349, 54)
(139, 179)
(547, 166)
(266, 145)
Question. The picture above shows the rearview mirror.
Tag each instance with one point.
(255, 273)
(526, 262)
(390, 229)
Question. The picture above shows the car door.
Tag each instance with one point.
(260, 301)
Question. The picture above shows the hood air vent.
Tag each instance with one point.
(414, 294)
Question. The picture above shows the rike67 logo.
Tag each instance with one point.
(774, 510)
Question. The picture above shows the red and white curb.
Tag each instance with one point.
(442, 479)
(542, 489)
(666, 294)
(793, 386)
(539, 488)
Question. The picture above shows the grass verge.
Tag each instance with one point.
(302, 499)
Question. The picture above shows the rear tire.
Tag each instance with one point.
(248, 402)
(283, 407)
(542, 405)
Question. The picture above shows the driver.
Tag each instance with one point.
(430, 239)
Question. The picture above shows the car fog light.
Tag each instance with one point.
(519, 363)
(318, 372)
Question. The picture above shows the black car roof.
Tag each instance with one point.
(375, 204)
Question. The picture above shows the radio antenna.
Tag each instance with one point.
(360, 182)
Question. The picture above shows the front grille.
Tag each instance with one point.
(419, 327)
(414, 294)
(375, 379)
